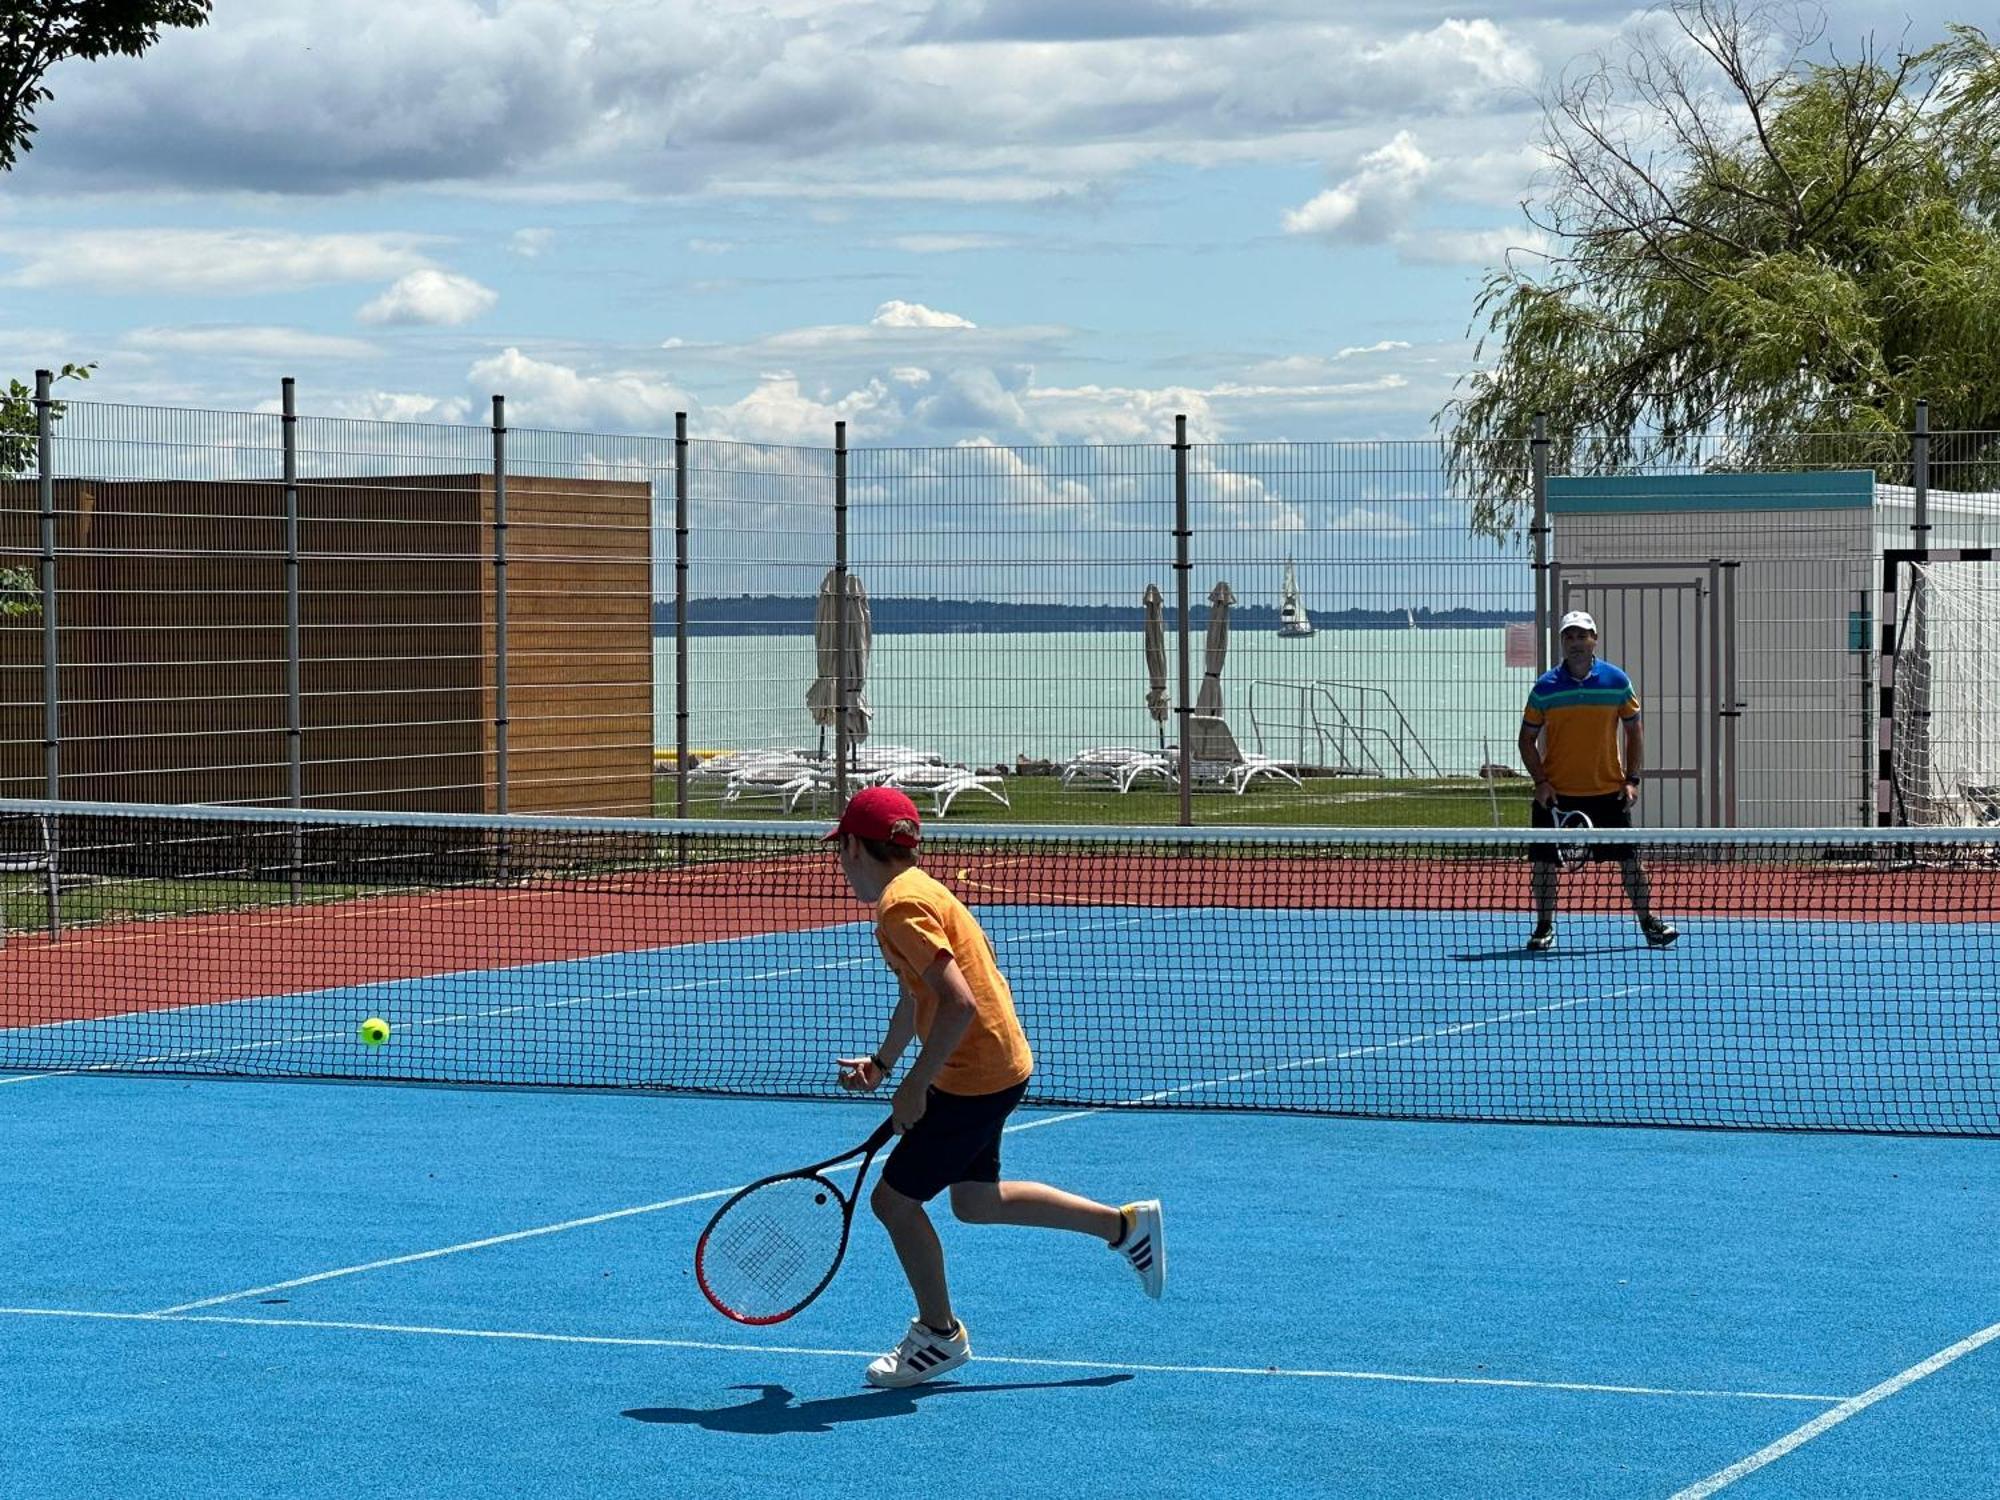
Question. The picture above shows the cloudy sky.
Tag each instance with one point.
(942, 220)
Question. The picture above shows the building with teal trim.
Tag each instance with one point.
(1744, 607)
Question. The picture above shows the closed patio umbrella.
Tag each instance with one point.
(1208, 700)
(1156, 660)
(834, 651)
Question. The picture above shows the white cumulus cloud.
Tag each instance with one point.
(541, 393)
(895, 314)
(394, 406)
(431, 297)
(1371, 205)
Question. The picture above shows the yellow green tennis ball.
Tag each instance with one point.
(374, 1031)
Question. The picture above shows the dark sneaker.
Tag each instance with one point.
(1659, 934)
(1544, 938)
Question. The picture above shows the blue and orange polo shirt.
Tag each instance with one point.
(1579, 720)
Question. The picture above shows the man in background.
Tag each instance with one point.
(1580, 715)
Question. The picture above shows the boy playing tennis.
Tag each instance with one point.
(952, 1106)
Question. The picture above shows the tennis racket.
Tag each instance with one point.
(1569, 856)
(774, 1246)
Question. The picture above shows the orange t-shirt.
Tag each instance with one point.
(916, 919)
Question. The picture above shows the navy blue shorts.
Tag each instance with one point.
(957, 1140)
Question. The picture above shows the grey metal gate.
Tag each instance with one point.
(1672, 627)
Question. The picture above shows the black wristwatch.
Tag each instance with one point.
(886, 1068)
(1631, 781)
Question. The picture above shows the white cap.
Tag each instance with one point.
(1577, 619)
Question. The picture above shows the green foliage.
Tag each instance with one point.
(19, 595)
(17, 421)
(1796, 262)
(35, 35)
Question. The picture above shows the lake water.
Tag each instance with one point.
(1435, 699)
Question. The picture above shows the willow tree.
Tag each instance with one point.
(35, 35)
(1747, 236)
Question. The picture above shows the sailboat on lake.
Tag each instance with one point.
(1292, 620)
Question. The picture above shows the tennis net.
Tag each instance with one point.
(1841, 979)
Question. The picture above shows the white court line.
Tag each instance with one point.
(647, 1208)
(1262, 1371)
(1827, 1420)
(1320, 1062)
(414, 1256)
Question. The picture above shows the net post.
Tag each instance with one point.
(1183, 571)
(680, 614)
(1538, 530)
(840, 685)
(294, 668)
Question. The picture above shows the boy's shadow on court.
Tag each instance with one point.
(1526, 956)
(774, 1409)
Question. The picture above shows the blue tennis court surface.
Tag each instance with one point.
(316, 1289)
(1441, 1014)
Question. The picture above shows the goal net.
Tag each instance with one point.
(1945, 719)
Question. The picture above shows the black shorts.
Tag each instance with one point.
(957, 1140)
(1607, 811)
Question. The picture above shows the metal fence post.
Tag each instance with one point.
(1732, 709)
(1538, 530)
(680, 614)
(45, 475)
(295, 784)
(1920, 477)
(1183, 571)
(500, 721)
(840, 684)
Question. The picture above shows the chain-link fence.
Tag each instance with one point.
(265, 608)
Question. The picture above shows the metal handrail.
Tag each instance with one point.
(1347, 742)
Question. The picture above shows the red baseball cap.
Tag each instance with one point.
(874, 812)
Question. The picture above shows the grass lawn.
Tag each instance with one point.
(24, 899)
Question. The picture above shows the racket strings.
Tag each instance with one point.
(775, 1246)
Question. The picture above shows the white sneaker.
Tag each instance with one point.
(921, 1355)
(1145, 1245)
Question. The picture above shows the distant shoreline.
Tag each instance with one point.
(791, 614)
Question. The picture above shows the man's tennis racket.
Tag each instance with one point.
(774, 1246)
(1573, 820)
